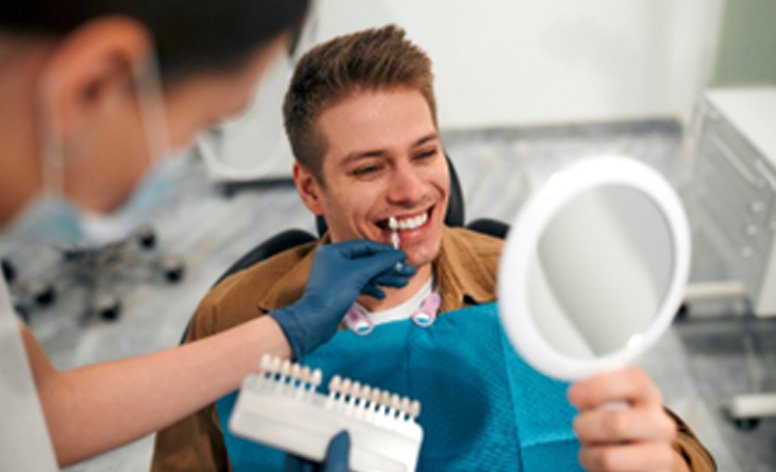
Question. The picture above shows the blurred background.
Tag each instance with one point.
(688, 87)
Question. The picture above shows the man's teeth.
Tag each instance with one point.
(409, 223)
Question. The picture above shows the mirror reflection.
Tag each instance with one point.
(601, 271)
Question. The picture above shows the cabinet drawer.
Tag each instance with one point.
(728, 187)
(748, 238)
(728, 139)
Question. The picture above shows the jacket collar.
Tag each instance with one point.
(462, 278)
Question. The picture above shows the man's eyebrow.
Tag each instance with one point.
(429, 137)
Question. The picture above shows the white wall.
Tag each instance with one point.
(525, 62)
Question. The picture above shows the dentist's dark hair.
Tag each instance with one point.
(190, 37)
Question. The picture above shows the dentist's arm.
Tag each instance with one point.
(93, 409)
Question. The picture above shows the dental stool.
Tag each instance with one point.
(101, 271)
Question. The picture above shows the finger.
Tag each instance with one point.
(356, 248)
(373, 291)
(367, 268)
(337, 455)
(404, 269)
(631, 385)
(646, 456)
(387, 279)
(297, 464)
(608, 425)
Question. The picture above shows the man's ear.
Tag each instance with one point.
(309, 189)
(89, 71)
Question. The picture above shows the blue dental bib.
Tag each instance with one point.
(482, 406)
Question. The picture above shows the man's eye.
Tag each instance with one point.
(429, 153)
(366, 170)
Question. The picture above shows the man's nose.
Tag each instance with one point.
(406, 185)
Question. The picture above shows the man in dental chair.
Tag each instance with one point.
(361, 118)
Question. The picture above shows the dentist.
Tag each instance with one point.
(85, 115)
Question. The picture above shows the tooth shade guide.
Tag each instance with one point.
(375, 399)
(393, 225)
(405, 407)
(306, 375)
(264, 365)
(414, 409)
(317, 378)
(334, 386)
(280, 407)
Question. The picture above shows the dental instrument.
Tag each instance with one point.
(279, 407)
(394, 226)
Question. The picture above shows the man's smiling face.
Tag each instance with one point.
(383, 159)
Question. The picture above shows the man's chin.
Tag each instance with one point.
(418, 257)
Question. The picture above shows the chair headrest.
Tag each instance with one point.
(455, 212)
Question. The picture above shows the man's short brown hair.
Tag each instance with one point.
(368, 60)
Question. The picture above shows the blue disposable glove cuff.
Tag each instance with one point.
(340, 272)
(299, 339)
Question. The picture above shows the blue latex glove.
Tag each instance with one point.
(340, 272)
(336, 457)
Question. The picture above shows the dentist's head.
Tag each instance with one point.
(94, 92)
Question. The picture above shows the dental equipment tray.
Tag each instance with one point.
(279, 407)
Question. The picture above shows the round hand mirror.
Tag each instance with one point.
(594, 267)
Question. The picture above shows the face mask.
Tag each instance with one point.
(152, 189)
(47, 220)
(51, 218)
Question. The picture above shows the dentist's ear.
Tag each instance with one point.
(309, 188)
(88, 72)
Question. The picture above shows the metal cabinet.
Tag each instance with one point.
(734, 186)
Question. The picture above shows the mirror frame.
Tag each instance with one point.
(523, 239)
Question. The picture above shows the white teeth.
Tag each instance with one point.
(392, 223)
(409, 223)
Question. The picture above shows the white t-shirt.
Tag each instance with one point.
(404, 310)
(24, 440)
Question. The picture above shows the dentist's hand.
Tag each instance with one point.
(340, 272)
(336, 457)
(637, 437)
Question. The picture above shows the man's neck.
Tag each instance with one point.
(396, 296)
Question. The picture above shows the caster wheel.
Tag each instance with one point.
(147, 238)
(72, 252)
(682, 313)
(174, 270)
(174, 276)
(746, 424)
(43, 294)
(23, 313)
(110, 314)
(107, 307)
(9, 271)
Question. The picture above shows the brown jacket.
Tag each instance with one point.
(466, 273)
